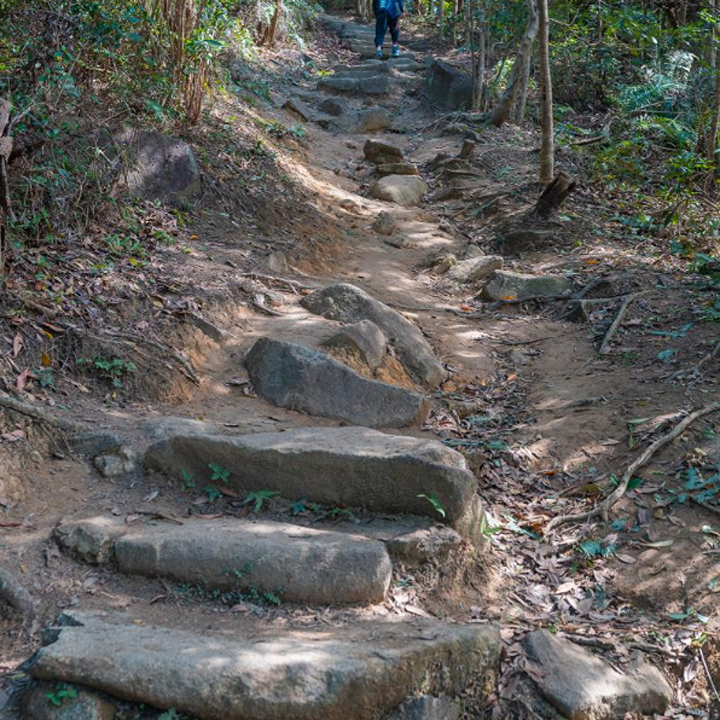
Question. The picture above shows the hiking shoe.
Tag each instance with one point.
(379, 55)
(396, 52)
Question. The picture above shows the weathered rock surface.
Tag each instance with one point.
(335, 467)
(374, 67)
(161, 428)
(427, 708)
(584, 687)
(424, 545)
(208, 328)
(405, 190)
(474, 269)
(375, 85)
(400, 168)
(504, 285)
(342, 84)
(380, 152)
(373, 119)
(299, 108)
(92, 443)
(357, 672)
(333, 106)
(448, 87)
(84, 706)
(293, 376)
(158, 167)
(349, 304)
(384, 223)
(90, 539)
(299, 564)
(123, 462)
(364, 339)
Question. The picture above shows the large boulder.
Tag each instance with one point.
(298, 564)
(505, 285)
(405, 190)
(157, 167)
(582, 686)
(356, 671)
(349, 304)
(335, 467)
(293, 376)
(448, 87)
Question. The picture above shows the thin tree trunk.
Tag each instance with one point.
(712, 136)
(547, 144)
(523, 93)
(440, 17)
(502, 110)
(479, 62)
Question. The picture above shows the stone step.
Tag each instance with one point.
(349, 304)
(292, 376)
(345, 467)
(358, 671)
(298, 564)
(370, 84)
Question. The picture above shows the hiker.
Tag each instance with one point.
(387, 15)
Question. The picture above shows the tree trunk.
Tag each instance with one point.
(712, 136)
(501, 112)
(523, 93)
(547, 144)
(479, 64)
(440, 17)
(6, 146)
(554, 195)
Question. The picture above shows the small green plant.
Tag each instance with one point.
(187, 479)
(435, 503)
(219, 473)
(113, 369)
(61, 693)
(259, 498)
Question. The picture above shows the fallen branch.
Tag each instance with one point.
(602, 509)
(610, 334)
(37, 413)
(15, 595)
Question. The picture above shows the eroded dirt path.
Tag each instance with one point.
(543, 419)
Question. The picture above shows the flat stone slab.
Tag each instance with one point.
(292, 376)
(582, 686)
(335, 467)
(349, 304)
(361, 671)
(505, 285)
(301, 565)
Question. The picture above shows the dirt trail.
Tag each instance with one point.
(541, 417)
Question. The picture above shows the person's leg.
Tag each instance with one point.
(381, 25)
(394, 24)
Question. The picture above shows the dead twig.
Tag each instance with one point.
(694, 372)
(602, 509)
(610, 334)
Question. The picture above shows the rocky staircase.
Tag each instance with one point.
(422, 498)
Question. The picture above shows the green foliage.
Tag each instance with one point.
(115, 370)
(61, 693)
(258, 498)
(435, 503)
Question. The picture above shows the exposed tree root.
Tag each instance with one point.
(37, 413)
(610, 334)
(602, 509)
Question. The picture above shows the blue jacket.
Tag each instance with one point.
(394, 8)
